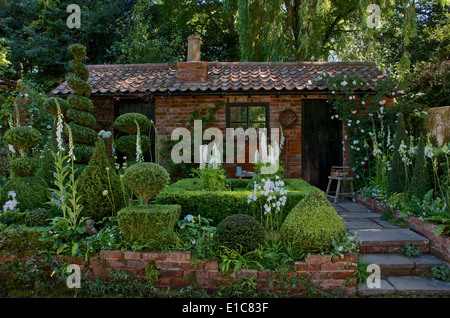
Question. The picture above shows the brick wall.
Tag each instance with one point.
(332, 275)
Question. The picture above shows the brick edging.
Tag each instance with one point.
(177, 269)
(439, 245)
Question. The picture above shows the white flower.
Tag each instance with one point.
(11, 148)
(344, 83)
(189, 218)
(382, 102)
(105, 193)
(363, 102)
(12, 194)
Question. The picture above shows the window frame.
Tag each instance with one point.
(247, 122)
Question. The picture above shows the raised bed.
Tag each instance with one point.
(439, 245)
(176, 270)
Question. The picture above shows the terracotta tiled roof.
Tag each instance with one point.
(222, 77)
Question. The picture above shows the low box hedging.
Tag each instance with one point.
(217, 205)
(145, 225)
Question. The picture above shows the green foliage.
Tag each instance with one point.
(82, 152)
(81, 117)
(441, 272)
(81, 134)
(421, 179)
(22, 240)
(312, 224)
(411, 251)
(99, 186)
(80, 86)
(240, 230)
(38, 217)
(398, 175)
(212, 179)
(152, 225)
(147, 179)
(197, 235)
(50, 105)
(80, 103)
(78, 51)
(26, 166)
(127, 144)
(217, 205)
(31, 192)
(22, 137)
(79, 68)
(127, 123)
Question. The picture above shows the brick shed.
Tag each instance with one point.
(254, 94)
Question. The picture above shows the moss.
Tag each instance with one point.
(312, 224)
(240, 231)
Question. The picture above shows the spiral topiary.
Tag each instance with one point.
(147, 179)
(240, 232)
(51, 106)
(81, 120)
(130, 123)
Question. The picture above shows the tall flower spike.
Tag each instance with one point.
(59, 128)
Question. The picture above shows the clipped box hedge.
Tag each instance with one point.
(217, 205)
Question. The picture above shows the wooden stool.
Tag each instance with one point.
(340, 174)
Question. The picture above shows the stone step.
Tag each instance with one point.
(406, 286)
(399, 265)
(388, 240)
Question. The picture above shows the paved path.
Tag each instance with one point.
(381, 244)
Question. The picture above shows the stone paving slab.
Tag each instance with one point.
(351, 224)
(406, 285)
(405, 236)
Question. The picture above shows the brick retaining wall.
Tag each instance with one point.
(176, 270)
(439, 245)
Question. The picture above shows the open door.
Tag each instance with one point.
(321, 142)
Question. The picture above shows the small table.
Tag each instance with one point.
(340, 174)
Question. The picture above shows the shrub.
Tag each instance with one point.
(82, 152)
(81, 117)
(25, 166)
(80, 103)
(21, 239)
(217, 205)
(397, 178)
(312, 224)
(152, 225)
(240, 231)
(421, 178)
(81, 134)
(50, 105)
(99, 186)
(31, 192)
(37, 217)
(127, 123)
(127, 144)
(146, 179)
(78, 51)
(22, 137)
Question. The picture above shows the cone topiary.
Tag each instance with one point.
(81, 120)
(312, 224)
(397, 178)
(99, 186)
(421, 179)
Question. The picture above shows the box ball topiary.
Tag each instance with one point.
(38, 217)
(240, 231)
(312, 224)
(127, 144)
(25, 166)
(31, 192)
(147, 179)
(22, 137)
(51, 105)
(152, 225)
(127, 123)
(80, 102)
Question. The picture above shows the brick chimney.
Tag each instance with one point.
(194, 70)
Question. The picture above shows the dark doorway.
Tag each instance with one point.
(321, 142)
(146, 108)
